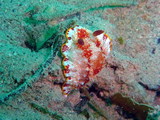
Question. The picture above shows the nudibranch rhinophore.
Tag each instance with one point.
(85, 54)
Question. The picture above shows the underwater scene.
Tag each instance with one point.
(79, 59)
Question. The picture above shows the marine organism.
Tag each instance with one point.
(140, 111)
(84, 54)
(121, 40)
(43, 110)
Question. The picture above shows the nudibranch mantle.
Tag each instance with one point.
(85, 54)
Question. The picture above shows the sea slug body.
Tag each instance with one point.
(85, 54)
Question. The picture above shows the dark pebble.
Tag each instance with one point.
(158, 94)
(158, 41)
(13, 10)
(153, 50)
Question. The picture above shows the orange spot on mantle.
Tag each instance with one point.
(82, 33)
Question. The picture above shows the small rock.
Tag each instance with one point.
(158, 41)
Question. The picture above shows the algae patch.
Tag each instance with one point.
(140, 111)
(121, 40)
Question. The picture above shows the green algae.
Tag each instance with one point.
(33, 21)
(46, 36)
(85, 113)
(43, 110)
(51, 34)
(94, 106)
(140, 111)
(121, 40)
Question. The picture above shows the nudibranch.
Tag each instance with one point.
(85, 54)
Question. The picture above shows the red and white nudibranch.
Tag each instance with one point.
(84, 54)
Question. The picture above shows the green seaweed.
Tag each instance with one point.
(92, 104)
(37, 43)
(108, 102)
(31, 41)
(30, 20)
(121, 40)
(107, 6)
(46, 36)
(140, 111)
(85, 113)
(30, 12)
(55, 31)
(43, 110)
